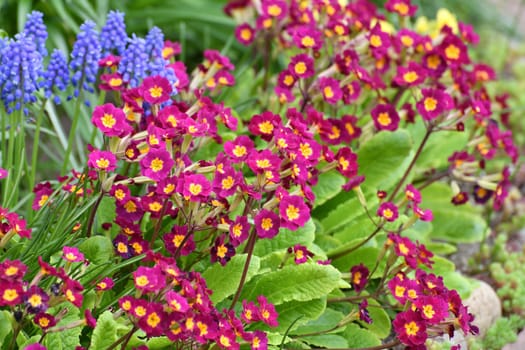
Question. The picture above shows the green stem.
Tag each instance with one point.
(430, 128)
(36, 139)
(73, 130)
(249, 249)
(93, 213)
(124, 339)
(357, 246)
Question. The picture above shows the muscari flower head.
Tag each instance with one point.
(56, 75)
(113, 36)
(84, 58)
(134, 61)
(20, 67)
(36, 31)
(157, 64)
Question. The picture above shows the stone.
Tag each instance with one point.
(485, 305)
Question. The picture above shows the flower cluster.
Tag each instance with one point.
(367, 53)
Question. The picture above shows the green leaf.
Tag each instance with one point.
(330, 341)
(105, 333)
(328, 320)
(159, 343)
(328, 186)
(295, 313)
(294, 282)
(455, 224)
(106, 211)
(358, 337)
(224, 280)
(304, 235)
(365, 255)
(463, 285)
(381, 324)
(6, 326)
(384, 158)
(97, 249)
(441, 248)
(66, 339)
(438, 148)
(336, 215)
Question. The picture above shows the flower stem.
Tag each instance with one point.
(249, 250)
(412, 163)
(73, 130)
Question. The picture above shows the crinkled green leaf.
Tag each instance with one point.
(328, 320)
(296, 313)
(6, 326)
(286, 238)
(328, 186)
(224, 280)
(105, 333)
(384, 158)
(294, 282)
(66, 339)
(330, 341)
(456, 224)
(381, 324)
(358, 337)
(97, 249)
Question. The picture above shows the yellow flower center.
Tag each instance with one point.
(274, 10)
(35, 300)
(266, 224)
(142, 281)
(102, 163)
(266, 127)
(411, 328)
(328, 92)
(108, 120)
(292, 212)
(384, 119)
(307, 41)
(227, 183)
(157, 164)
(153, 320)
(156, 91)
(430, 104)
(428, 311)
(10, 294)
(452, 52)
(410, 77)
(300, 68)
(195, 189)
(375, 40)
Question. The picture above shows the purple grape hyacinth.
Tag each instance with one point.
(56, 75)
(21, 65)
(113, 35)
(84, 58)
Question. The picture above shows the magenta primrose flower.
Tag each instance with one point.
(330, 89)
(302, 66)
(111, 120)
(156, 164)
(293, 212)
(410, 328)
(388, 211)
(196, 187)
(245, 34)
(239, 230)
(72, 254)
(149, 279)
(359, 277)
(267, 312)
(267, 224)
(385, 117)
(239, 149)
(433, 103)
(102, 160)
(156, 89)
